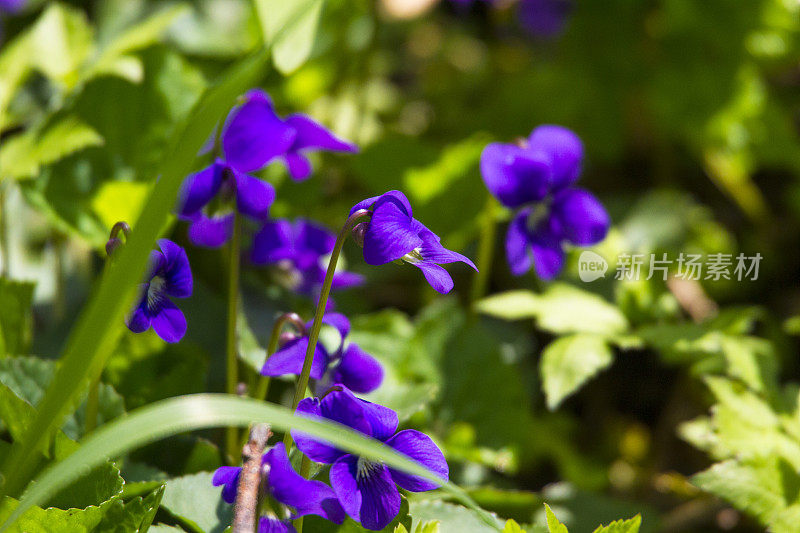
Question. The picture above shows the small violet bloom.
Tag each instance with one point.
(301, 250)
(253, 136)
(392, 234)
(544, 18)
(286, 486)
(366, 489)
(351, 366)
(168, 275)
(12, 6)
(536, 177)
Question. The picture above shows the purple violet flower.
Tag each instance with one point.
(544, 18)
(253, 136)
(12, 6)
(301, 249)
(351, 366)
(168, 275)
(366, 489)
(536, 177)
(286, 486)
(392, 234)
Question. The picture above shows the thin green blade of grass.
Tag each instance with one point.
(198, 411)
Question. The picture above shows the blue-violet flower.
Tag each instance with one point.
(544, 18)
(366, 489)
(301, 249)
(392, 234)
(536, 177)
(350, 366)
(286, 486)
(168, 274)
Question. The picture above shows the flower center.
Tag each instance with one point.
(155, 292)
(414, 256)
(365, 468)
(541, 210)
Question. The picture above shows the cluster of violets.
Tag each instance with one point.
(535, 176)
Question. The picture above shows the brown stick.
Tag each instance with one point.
(245, 509)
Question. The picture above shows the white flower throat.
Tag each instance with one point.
(155, 291)
(365, 468)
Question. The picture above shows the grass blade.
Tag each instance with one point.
(197, 411)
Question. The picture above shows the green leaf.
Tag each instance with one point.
(99, 485)
(61, 42)
(511, 305)
(289, 28)
(553, 525)
(630, 525)
(137, 37)
(196, 503)
(28, 377)
(560, 309)
(101, 322)
(766, 488)
(15, 315)
(512, 527)
(186, 413)
(568, 362)
(15, 412)
(38, 520)
(134, 516)
(451, 518)
(23, 156)
(425, 183)
(119, 200)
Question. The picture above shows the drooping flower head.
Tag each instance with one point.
(366, 489)
(168, 275)
(392, 234)
(301, 250)
(350, 365)
(536, 177)
(287, 487)
(544, 18)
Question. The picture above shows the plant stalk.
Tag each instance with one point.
(486, 244)
(231, 360)
(245, 508)
(313, 336)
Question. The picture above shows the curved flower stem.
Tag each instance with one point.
(480, 281)
(290, 318)
(313, 336)
(231, 361)
(245, 508)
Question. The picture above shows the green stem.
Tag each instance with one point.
(485, 253)
(305, 469)
(92, 405)
(313, 336)
(292, 318)
(5, 246)
(231, 361)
